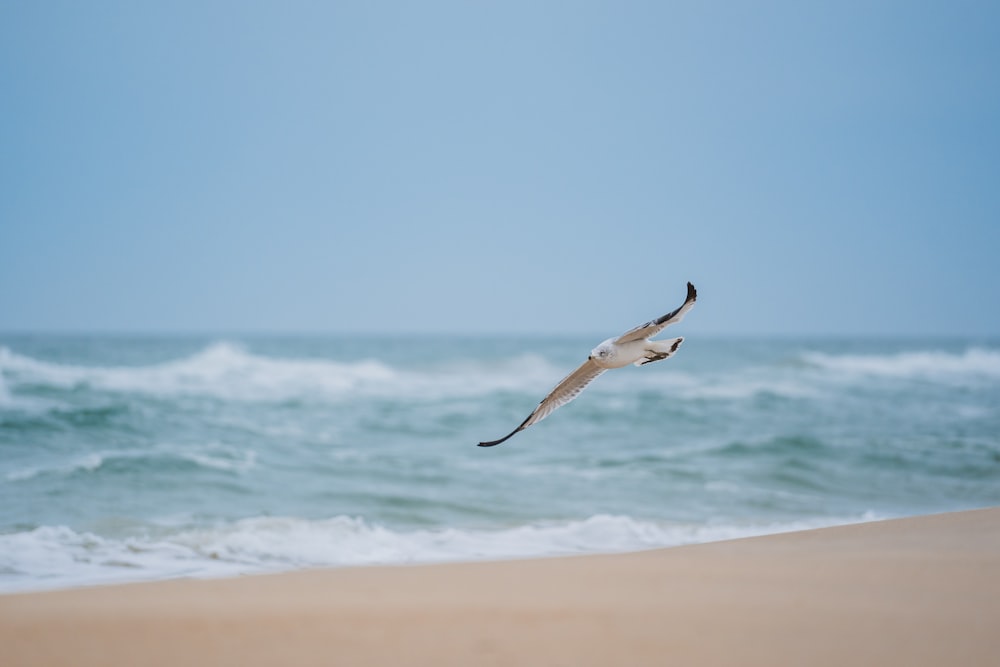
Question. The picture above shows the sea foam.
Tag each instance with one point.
(228, 371)
(932, 364)
(211, 455)
(57, 556)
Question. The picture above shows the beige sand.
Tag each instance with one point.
(920, 591)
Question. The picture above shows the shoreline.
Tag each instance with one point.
(917, 590)
(686, 535)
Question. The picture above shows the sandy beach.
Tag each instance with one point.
(914, 591)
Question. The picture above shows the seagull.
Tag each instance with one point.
(632, 347)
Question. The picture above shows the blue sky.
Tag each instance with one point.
(553, 167)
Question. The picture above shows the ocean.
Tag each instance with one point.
(149, 457)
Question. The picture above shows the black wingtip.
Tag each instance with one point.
(494, 443)
(692, 293)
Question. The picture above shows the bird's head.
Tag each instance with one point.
(603, 353)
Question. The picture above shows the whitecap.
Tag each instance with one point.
(88, 462)
(57, 556)
(974, 362)
(213, 455)
(228, 371)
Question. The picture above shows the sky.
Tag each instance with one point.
(814, 168)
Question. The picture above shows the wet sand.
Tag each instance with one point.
(916, 591)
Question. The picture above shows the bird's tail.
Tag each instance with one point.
(659, 349)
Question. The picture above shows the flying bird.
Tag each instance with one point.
(632, 347)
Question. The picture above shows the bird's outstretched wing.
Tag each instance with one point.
(565, 391)
(653, 327)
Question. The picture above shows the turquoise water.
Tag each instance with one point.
(150, 457)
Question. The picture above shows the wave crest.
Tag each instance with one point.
(52, 556)
(972, 362)
(214, 456)
(228, 371)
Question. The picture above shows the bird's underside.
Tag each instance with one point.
(634, 346)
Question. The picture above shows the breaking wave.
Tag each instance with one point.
(973, 362)
(212, 456)
(57, 556)
(228, 371)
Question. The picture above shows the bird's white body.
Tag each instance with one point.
(632, 347)
(610, 354)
